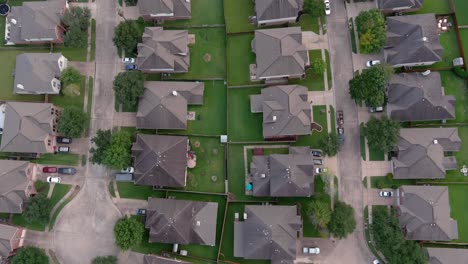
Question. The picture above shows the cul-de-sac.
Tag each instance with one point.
(233, 132)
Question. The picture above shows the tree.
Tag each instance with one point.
(320, 213)
(318, 66)
(330, 145)
(105, 260)
(70, 75)
(382, 133)
(370, 85)
(128, 233)
(127, 35)
(342, 220)
(102, 140)
(30, 255)
(75, 38)
(77, 17)
(371, 29)
(315, 8)
(128, 86)
(72, 122)
(38, 209)
(112, 150)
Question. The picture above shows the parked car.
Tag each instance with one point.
(372, 63)
(386, 194)
(54, 179)
(49, 169)
(128, 170)
(69, 171)
(376, 109)
(318, 161)
(131, 67)
(314, 251)
(63, 149)
(128, 60)
(124, 177)
(327, 7)
(376, 261)
(320, 170)
(141, 211)
(64, 140)
(316, 153)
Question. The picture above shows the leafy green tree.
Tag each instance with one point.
(105, 260)
(127, 35)
(75, 38)
(315, 8)
(30, 255)
(70, 75)
(102, 141)
(342, 220)
(382, 134)
(38, 209)
(320, 213)
(371, 29)
(330, 145)
(72, 122)
(370, 85)
(318, 66)
(128, 233)
(77, 17)
(118, 154)
(128, 86)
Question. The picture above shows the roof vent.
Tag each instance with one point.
(198, 223)
(274, 118)
(13, 21)
(424, 39)
(262, 175)
(435, 141)
(174, 93)
(20, 86)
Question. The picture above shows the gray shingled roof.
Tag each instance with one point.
(178, 8)
(269, 233)
(277, 9)
(6, 234)
(159, 108)
(164, 50)
(399, 4)
(160, 160)
(180, 221)
(447, 255)
(153, 259)
(35, 72)
(280, 52)
(13, 184)
(418, 157)
(425, 213)
(414, 97)
(412, 39)
(285, 175)
(27, 125)
(286, 111)
(35, 20)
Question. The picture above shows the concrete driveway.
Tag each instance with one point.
(374, 197)
(376, 168)
(327, 246)
(130, 206)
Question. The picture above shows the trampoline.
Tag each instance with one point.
(4, 9)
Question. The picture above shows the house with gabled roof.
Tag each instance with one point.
(447, 255)
(16, 185)
(283, 175)
(424, 213)
(279, 54)
(286, 111)
(163, 105)
(11, 238)
(414, 97)
(36, 22)
(412, 41)
(28, 127)
(393, 6)
(162, 10)
(164, 51)
(268, 232)
(160, 160)
(182, 222)
(276, 12)
(421, 153)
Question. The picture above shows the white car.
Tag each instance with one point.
(314, 251)
(386, 194)
(327, 8)
(51, 179)
(320, 170)
(128, 60)
(372, 63)
(128, 170)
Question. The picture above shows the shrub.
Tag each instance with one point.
(389, 176)
(460, 72)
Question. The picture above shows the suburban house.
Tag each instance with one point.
(183, 222)
(280, 54)
(424, 213)
(275, 12)
(420, 153)
(447, 255)
(268, 232)
(283, 175)
(414, 97)
(39, 73)
(154, 259)
(36, 22)
(160, 160)
(393, 6)
(412, 41)
(11, 238)
(164, 51)
(286, 111)
(161, 10)
(28, 127)
(17, 184)
(163, 105)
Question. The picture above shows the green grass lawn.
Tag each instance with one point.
(461, 6)
(332, 120)
(93, 40)
(63, 101)
(314, 82)
(313, 140)
(435, 6)
(458, 196)
(237, 14)
(59, 159)
(131, 191)
(243, 125)
(204, 12)
(239, 58)
(454, 85)
(376, 154)
(464, 36)
(73, 54)
(353, 36)
(308, 23)
(329, 71)
(388, 183)
(448, 40)
(207, 55)
(59, 192)
(362, 140)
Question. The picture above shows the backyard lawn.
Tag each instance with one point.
(129, 190)
(458, 196)
(448, 40)
(435, 6)
(464, 37)
(454, 85)
(237, 14)
(313, 140)
(461, 6)
(243, 125)
(314, 82)
(204, 12)
(239, 58)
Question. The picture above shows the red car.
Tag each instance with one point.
(49, 169)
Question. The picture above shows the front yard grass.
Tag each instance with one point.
(129, 190)
(239, 58)
(59, 192)
(376, 154)
(434, 6)
(237, 14)
(204, 12)
(313, 140)
(458, 195)
(243, 125)
(385, 182)
(63, 101)
(362, 141)
(314, 82)
(70, 159)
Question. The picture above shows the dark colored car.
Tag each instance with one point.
(131, 67)
(69, 171)
(141, 211)
(64, 140)
(318, 161)
(316, 153)
(49, 169)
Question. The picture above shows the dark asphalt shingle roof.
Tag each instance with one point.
(447, 255)
(6, 234)
(178, 8)
(277, 9)
(13, 184)
(399, 4)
